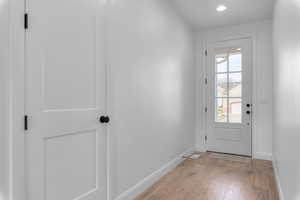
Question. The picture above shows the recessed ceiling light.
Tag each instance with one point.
(221, 8)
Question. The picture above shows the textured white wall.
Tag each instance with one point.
(4, 137)
(286, 138)
(261, 34)
(151, 89)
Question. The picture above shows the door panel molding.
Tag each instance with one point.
(66, 145)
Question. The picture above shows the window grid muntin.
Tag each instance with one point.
(228, 97)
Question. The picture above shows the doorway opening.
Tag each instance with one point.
(229, 97)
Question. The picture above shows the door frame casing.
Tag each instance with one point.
(202, 45)
(17, 185)
(17, 103)
(222, 43)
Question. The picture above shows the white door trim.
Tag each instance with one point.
(252, 36)
(16, 73)
(17, 189)
(244, 146)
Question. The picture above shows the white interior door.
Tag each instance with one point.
(229, 97)
(65, 81)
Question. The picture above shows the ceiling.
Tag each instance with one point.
(202, 14)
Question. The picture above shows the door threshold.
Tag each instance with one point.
(231, 154)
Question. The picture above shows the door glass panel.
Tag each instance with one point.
(235, 84)
(228, 86)
(221, 108)
(221, 63)
(235, 61)
(222, 85)
(235, 110)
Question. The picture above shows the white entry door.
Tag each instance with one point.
(229, 97)
(65, 95)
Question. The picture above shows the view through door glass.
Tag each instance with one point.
(228, 86)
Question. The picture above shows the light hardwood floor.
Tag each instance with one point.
(213, 177)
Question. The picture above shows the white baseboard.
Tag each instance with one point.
(256, 155)
(201, 149)
(279, 188)
(152, 178)
(262, 156)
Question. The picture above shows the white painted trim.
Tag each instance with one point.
(262, 156)
(253, 39)
(208, 36)
(277, 179)
(17, 187)
(17, 110)
(108, 95)
(152, 178)
(202, 148)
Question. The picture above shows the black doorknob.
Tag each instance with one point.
(104, 119)
(107, 119)
(248, 112)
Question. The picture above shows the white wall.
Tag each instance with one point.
(261, 34)
(4, 137)
(286, 137)
(151, 89)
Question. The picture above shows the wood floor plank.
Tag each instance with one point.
(214, 178)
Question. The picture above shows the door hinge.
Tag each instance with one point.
(205, 81)
(205, 109)
(25, 21)
(205, 52)
(25, 122)
(206, 138)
